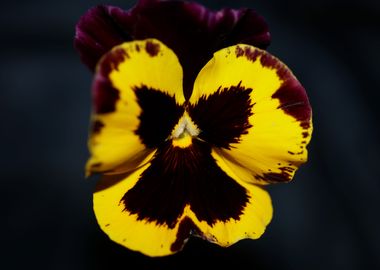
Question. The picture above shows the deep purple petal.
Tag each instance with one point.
(97, 32)
(192, 31)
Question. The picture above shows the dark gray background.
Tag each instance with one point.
(328, 218)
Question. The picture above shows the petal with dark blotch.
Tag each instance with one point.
(181, 192)
(192, 31)
(258, 114)
(135, 105)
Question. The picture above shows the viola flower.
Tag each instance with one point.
(191, 118)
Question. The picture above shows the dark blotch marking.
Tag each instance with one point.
(239, 51)
(292, 95)
(298, 153)
(96, 165)
(305, 124)
(137, 47)
(181, 176)
(305, 134)
(159, 114)
(105, 95)
(107, 225)
(97, 126)
(223, 116)
(284, 176)
(186, 228)
(152, 48)
(293, 101)
(248, 52)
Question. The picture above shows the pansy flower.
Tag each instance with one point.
(191, 118)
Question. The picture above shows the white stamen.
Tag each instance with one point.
(185, 126)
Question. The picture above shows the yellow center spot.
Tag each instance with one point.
(184, 131)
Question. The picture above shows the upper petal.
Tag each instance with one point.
(255, 112)
(97, 32)
(192, 31)
(136, 106)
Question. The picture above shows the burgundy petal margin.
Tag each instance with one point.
(192, 31)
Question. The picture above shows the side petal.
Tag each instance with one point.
(136, 106)
(254, 111)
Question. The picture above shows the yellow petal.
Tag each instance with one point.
(254, 112)
(181, 192)
(125, 228)
(138, 100)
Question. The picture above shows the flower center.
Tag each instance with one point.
(184, 131)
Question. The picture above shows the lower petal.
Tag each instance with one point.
(180, 193)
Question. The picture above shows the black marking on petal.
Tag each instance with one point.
(284, 176)
(185, 176)
(185, 230)
(112, 60)
(159, 115)
(223, 116)
(96, 165)
(239, 51)
(293, 101)
(152, 48)
(105, 95)
(291, 94)
(248, 52)
(97, 126)
(298, 153)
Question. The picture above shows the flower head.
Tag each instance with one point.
(177, 162)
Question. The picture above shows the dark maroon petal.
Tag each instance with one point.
(97, 32)
(193, 32)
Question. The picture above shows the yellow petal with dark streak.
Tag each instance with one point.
(137, 102)
(263, 139)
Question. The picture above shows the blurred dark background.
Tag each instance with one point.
(328, 218)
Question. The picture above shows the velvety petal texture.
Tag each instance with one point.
(192, 31)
